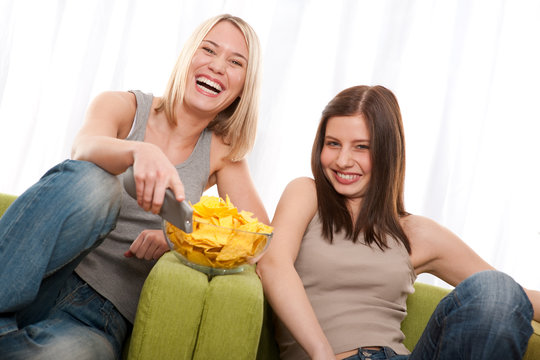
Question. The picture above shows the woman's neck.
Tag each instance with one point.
(178, 140)
(354, 206)
(194, 119)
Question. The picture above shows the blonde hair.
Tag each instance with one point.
(237, 124)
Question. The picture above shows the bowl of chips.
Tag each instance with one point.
(224, 240)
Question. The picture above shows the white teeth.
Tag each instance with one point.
(214, 86)
(345, 176)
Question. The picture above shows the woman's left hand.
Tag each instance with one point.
(149, 245)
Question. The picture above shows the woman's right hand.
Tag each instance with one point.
(102, 140)
(154, 173)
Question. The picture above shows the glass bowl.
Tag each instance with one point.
(216, 250)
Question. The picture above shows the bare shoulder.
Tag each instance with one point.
(423, 233)
(113, 105)
(120, 100)
(219, 144)
(110, 113)
(218, 154)
(298, 201)
(302, 190)
(303, 185)
(114, 110)
(296, 208)
(418, 226)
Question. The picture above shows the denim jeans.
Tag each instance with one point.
(487, 316)
(382, 354)
(43, 236)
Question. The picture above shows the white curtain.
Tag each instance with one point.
(466, 74)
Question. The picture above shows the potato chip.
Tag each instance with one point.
(222, 236)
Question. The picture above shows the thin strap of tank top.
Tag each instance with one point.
(144, 105)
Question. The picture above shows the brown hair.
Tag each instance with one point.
(382, 204)
(237, 124)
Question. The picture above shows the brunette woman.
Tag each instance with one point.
(345, 254)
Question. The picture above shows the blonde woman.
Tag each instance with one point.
(63, 296)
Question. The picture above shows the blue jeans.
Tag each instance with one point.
(45, 233)
(487, 316)
(382, 354)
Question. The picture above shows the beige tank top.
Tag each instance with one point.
(358, 292)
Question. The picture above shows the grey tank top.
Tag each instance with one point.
(115, 277)
(358, 292)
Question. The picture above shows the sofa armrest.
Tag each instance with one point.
(169, 312)
(420, 306)
(5, 201)
(232, 317)
(533, 349)
(183, 315)
(423, 302)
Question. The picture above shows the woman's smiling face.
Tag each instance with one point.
(218, 70)
(345, 156)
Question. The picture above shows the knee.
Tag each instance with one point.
(95, 182)
(87, 345)
(38, 342)
(494, 285)
(100, 187)
(73, 186)
(84, 183)
(498, 295)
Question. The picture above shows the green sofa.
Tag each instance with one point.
(183, 314)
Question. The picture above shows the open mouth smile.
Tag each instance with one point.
(208, 86)
(346, 178)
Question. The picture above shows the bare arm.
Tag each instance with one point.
(101, 140)
(295, 210)
(234, 179)
(438, 251)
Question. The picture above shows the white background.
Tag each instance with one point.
(466, 74)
